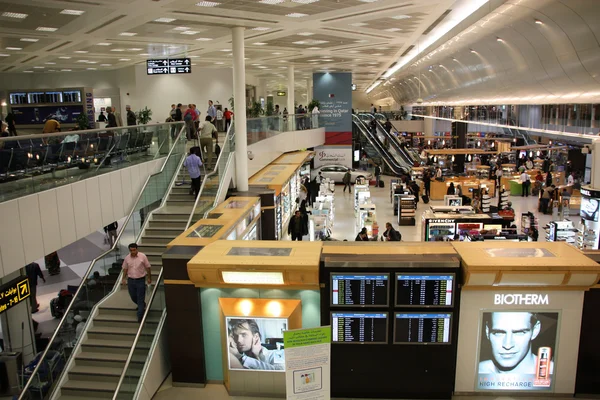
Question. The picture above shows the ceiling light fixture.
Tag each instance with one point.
(219, 63)
(91, 69)
(28, 71)
(66, 70)
(64, 58)
(39, 67)
(276, 54)
(118, 50)
(304, 33)
(72, 12)
(4, 55)
(260, 28)
(181, 28)
(103, 44)
(127, 34)
(144, 54)
(499, 40)
(50, 63)
(368, 1)
(165, 20)
(135, 49)
(124, 59)
(14, 48)
(359, 24)
(105, 65)
(14, 15)
(304, 1)
(393, 30)
(473, 51)
(259, 44)
(272, 1)
(204, 39)
(454, 59)
(537, 21)
(225, 50)
(29, 40)
(296, 15)
(208, 4)
(190, 33)
(401, 17)
(80, 51)
(46, 29)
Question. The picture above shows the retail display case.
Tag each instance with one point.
(407, 208)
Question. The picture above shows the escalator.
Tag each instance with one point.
(373, 145)
(403, 154)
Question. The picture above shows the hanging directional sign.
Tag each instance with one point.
(14, 292)
(169, 66)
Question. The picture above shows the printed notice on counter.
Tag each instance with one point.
(307, 363)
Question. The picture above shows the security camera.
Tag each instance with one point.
(250, 156)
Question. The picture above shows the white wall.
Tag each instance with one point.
(44, 222)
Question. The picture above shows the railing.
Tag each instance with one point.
(33, 163)
(145, 336)
(101, 278)
(212, 181)
(266, 127)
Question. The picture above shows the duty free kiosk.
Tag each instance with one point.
(520, 317)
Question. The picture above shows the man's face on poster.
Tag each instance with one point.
(243, 338)
(510, 335)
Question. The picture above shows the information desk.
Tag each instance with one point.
(393, 311)
(467, 184)
(520, 316)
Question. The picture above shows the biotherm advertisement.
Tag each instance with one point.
(517, 350)
(256, 343)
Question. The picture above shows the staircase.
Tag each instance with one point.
(105, 346)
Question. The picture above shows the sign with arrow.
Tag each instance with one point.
(169, 66)
(14, 292)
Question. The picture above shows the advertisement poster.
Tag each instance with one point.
(334, 92)
(256, 343)
(517, 350)
(327, 155)
(307, 366)
(39, 115)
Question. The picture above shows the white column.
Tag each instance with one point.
(239, 98)
(262, 89)
(595, 179)
(290, 93)
(308, 92)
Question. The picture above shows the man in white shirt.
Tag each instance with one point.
(571, 179)
(525, 182)
(219, 120)
(207, 133)
(246, 350)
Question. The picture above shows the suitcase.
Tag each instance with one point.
(425, 198)
(381, 184)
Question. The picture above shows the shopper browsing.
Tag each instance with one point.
(297, 227)
(525, 182)
(346, 181)
(390, 234)
(362, 236)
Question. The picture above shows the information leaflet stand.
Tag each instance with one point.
(393, 310)
(520, 317)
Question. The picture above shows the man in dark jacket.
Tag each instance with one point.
(34, 271)
(131, 119)
(346, 181)
(112, 119)
(390, 234)
(377, 175)
(297, 227)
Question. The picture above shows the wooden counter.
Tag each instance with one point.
(386, 248)
(295, 158)
(273, 177)
(509, 265)
(297, 263)
(439, 189)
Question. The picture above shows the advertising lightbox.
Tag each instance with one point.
(256, 343)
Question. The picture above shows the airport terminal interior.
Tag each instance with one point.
(300, 199)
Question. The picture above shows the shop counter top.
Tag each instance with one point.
(294, 158)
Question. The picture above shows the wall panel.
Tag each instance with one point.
(105, 196)
(50, 222)
(11, 241)
(117, 195)
(80, 209)
(66, 216)
(31, 227)
(94, 206)
(127, 196)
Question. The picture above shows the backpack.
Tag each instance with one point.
(217, 149)
(188, 117)
(397, 236)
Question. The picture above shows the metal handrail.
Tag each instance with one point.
(90, 268)
(83, 132)
(212, 173)
(137, 335)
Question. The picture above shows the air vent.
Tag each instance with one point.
(29, 59)
(59, 46)
(407, 50)
(106, 24)
(362, 14)
(8, 69)
(437, 21)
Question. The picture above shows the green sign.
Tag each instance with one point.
(307, 337)
(14, 292)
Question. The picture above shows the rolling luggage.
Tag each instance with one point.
(425, 198)
(59, 304)
(381, 184)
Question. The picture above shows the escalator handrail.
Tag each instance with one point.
(90, 269)
(391, 161)
(228, 136)
(138, 334)
(394, 141)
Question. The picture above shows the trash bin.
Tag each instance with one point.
(10, 369)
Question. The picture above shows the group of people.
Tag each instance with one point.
(389, 235)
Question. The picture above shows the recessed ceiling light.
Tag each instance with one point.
(46, 29)
(208, 4)
(271, 1)
(194, 56)
(224, 50)
(304, 1)
(14, 15)
(260, 28)
(4, 55)
(276, 54)
(499, 40)
(29, 40)
(359, 24)
(80, 51)
(124, 59)
(219, 63)
(259, 44)
(194, 64)
(454, 59)
(127, 34)
(144, 54)
(92, 62)
(135, 49)
(82, 61)
(393, 30)
(103, 44)
(167, 20)
(296, 15)
(377, 54)
(190, 33)
(105, 65)
(368, 1)
(72, 12)
(51, 70)
(28, 71)
(91, 69)
(117, 50)
(66, 70)
(327, 60)
(262, 67)
(64, 58)
(537, 21)
(473, 51)
(401, 16)
(39, 67)
(204, 39)
(14, 48)
(50, 63)
(313, 48)
(304, 33)
(181, 28)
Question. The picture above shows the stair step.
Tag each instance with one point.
(180, 196)
(177, 202)
(171, 217)
(173, 224)
(101, 357)
(163, 240)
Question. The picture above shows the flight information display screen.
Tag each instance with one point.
(353, 327)
(366, 290)
(419, 290)
(422, 328)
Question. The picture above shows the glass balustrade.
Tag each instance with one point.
(34, 163)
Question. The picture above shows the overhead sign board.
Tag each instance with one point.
(169, 66)
(14, 292)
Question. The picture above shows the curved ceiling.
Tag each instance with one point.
(523, 52)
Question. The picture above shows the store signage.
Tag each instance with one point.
(521, 299)
(442, 221)
(281, 94)
(590, 192)
(340, 155)
(308, 363)
(89, 108)
(165, 66)
(14, 292)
